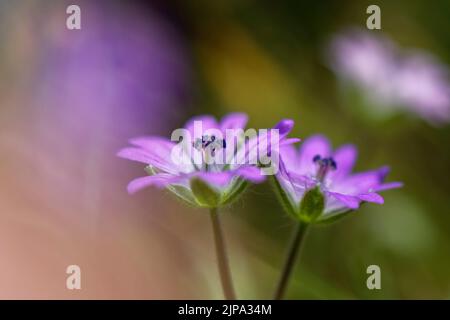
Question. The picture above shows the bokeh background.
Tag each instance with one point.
(70, 99)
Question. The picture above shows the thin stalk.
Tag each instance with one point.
(222, 257)
(293, 252)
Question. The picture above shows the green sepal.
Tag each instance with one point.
(237, 188)
(183, 194)
(205, 195)
(150, 170)
(284, 198)
(311, 205)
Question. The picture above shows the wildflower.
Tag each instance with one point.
(316, 171)
(198, 171)
(316, 185)
(208, 183)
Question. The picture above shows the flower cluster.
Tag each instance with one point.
(206, 167)
(315, 184)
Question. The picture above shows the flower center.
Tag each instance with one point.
(207, 143)
(324, 166)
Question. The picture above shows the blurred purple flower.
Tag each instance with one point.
(316, 165)
(222, 179)
(127, 70)
(393, 78)
(422, 84)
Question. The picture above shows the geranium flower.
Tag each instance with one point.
(206, 166)
(317, 171)
(208, 183)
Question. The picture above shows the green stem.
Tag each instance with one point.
(222, 258)
(294, 250)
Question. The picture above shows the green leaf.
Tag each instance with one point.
(312, 205)
(205, 195)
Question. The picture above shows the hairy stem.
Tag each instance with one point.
(293, 252)
(222, 257)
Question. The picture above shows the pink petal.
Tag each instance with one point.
(134, 154)
(207, 122)
(250, 173)
(233, 121)
(315, 145)
(284, 126)
(389, 185)
(289, 155)
(351, 202)
(345, 157)
(144, 156)
(159, 181)
(371, 197)
(215, 179)
(358, 183)
(153, 142)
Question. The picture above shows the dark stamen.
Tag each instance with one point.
(210, 142)
(325, 164)
(333, 164)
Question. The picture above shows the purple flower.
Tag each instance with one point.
(209, 183)
(393, 78)
(316, 165)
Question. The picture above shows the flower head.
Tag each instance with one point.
(203, 163)
(318, 173)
